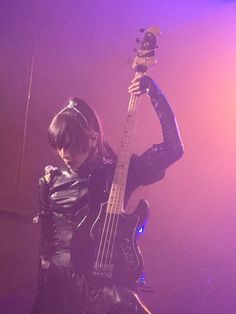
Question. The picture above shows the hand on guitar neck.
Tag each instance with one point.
(142, 84)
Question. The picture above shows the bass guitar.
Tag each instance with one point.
(115, 257)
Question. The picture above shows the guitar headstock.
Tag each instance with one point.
(146, 52)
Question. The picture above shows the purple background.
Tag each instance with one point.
(81, 49)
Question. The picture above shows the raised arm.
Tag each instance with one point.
(151, 165)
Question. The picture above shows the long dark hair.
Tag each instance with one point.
(71, 128)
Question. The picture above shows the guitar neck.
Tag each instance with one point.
(116, 198)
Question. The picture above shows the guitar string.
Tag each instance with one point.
(109, 220)
(115, 217)
(117, 205)
(107, 230)
(132, 124)
(134, 104)
(102, 242)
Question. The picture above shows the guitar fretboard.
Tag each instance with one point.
(116, 198)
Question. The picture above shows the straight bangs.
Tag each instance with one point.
(66, 131)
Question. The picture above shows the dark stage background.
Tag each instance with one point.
(81, 48)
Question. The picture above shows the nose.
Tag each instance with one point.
(64, 154)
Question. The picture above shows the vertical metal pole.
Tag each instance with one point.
(21, 167)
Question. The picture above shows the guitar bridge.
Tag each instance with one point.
(101, 271)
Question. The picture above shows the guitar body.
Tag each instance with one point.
(125, 265)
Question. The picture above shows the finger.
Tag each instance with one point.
(135, 92)
(134, 86)
(137, 77)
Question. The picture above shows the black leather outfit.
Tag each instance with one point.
(66, 200)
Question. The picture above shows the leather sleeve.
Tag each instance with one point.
(151, 165)
(46, 219)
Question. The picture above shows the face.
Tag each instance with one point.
(74, 158)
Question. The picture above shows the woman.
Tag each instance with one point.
(70, 201)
